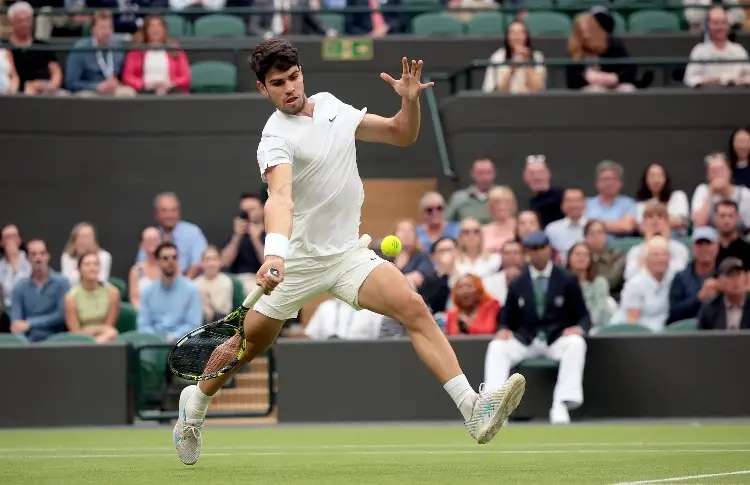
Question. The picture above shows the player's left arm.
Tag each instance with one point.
(403, 128)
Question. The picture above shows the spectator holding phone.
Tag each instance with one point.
(243, 253)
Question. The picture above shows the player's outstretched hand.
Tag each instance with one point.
(267, 281)
(410, 84)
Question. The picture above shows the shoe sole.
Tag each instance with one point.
(184, 396)
(514, 389)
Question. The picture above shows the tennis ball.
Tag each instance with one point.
(391, 246)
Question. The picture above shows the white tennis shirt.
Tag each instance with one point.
(326, 188)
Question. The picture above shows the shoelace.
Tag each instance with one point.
(191, 428)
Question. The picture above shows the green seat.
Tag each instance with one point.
(136, 338)
(177, 26)
(213, 77)
(332, 20)
(653, 21)
(548, 23)
(437, 25)
(71, 338)
(121, 286)
(150, 375)
(538, 5)
(486, 24)
(238, 291)
(219, 25)
(683, 326)
(12, 340)
(539, 363)
(127, 320)
(623, 329)
(624, 244)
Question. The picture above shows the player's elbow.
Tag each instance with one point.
(402, 135)
(279, 203)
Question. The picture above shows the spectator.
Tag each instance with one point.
(336, 320)
(564, 233)
(37, 68)
(543, 299)
(412, 261)
(513, 261)
(739, 157)
(465, 16)
(731, 245)
(14, 266)
(38, 308)
(719, 187)
(189, 239)
(434, 226)
(717, 47)
(474, 311)
(507, 72)
(472, 201)
(243, 254)
(216, 288)
(145, 272)
(158, 71)
(607, 262)
(83, 240)
(128, 21)
(656, 186)
(595, 288)
(375, 24)
(645, 297)
(198, 6)
(656, 223)
(502, 207)
(8, 76)
(528, 222)
(729, 310)
(95, 63)
(171, 306)
(436, 289)
(697, 16)
(696, 283)
(547, 199)
(616, 211)
(92, 306)
(472, 257)
(307, 23)
(592, 39)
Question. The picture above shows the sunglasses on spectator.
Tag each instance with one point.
(430, 210)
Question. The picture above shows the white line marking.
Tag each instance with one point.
(690, 477)
(377, 452)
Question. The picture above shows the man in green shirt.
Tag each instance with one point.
(472, 201)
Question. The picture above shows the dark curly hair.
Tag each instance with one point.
(273, 53)
(644, 193)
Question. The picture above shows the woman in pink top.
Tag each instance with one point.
(502, 206)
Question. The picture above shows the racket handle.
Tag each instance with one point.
(257, 292)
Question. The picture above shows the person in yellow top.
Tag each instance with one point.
(92, 306)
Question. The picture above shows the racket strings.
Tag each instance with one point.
(206, 353)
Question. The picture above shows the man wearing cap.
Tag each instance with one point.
(547, 199)
(696, 283)
(544, 315)
(730, 309)
(656, 223)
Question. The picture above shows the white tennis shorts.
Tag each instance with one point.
(340, 275)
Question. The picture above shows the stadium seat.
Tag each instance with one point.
(624, 244)
(213, 77)
(238, 291)
(177, 26)
(486, 24)
(332, 20)
(539, 4)
(653, 21)
(12, 340)
(621, 25)
(437, 25)
(683, 326)
(548, 23)
(623, 329)
(150, 376)
(127, 320)
(219, 25)
(67, 337)
(136, 338)
(538, 363)
(121, 286)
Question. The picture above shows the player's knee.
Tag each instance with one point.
(412, 311)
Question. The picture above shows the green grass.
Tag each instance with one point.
(579, 455)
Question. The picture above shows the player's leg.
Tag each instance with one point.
(368, 282)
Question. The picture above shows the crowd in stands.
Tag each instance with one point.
(100, 63)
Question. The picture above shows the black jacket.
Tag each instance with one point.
(565, 307)
(626, 73)
(713, 314)
(360, 23)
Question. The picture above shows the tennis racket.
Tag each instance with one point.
(214, 349)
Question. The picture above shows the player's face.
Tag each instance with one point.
(285, 89)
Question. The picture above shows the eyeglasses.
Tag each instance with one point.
(430, 210)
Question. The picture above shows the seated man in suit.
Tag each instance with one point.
(544, 315)
(730, 309)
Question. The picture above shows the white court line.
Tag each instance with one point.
(381, 446)
(690, 477)
(378, 452)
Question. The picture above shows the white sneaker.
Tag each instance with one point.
(559, 414)
(493, 407)
(187, 432)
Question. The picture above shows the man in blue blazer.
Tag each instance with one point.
(544, 315)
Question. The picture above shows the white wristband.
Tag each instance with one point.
(276, 245)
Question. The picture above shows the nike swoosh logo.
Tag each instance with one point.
(331, 119)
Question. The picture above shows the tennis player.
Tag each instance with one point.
(308, 158)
